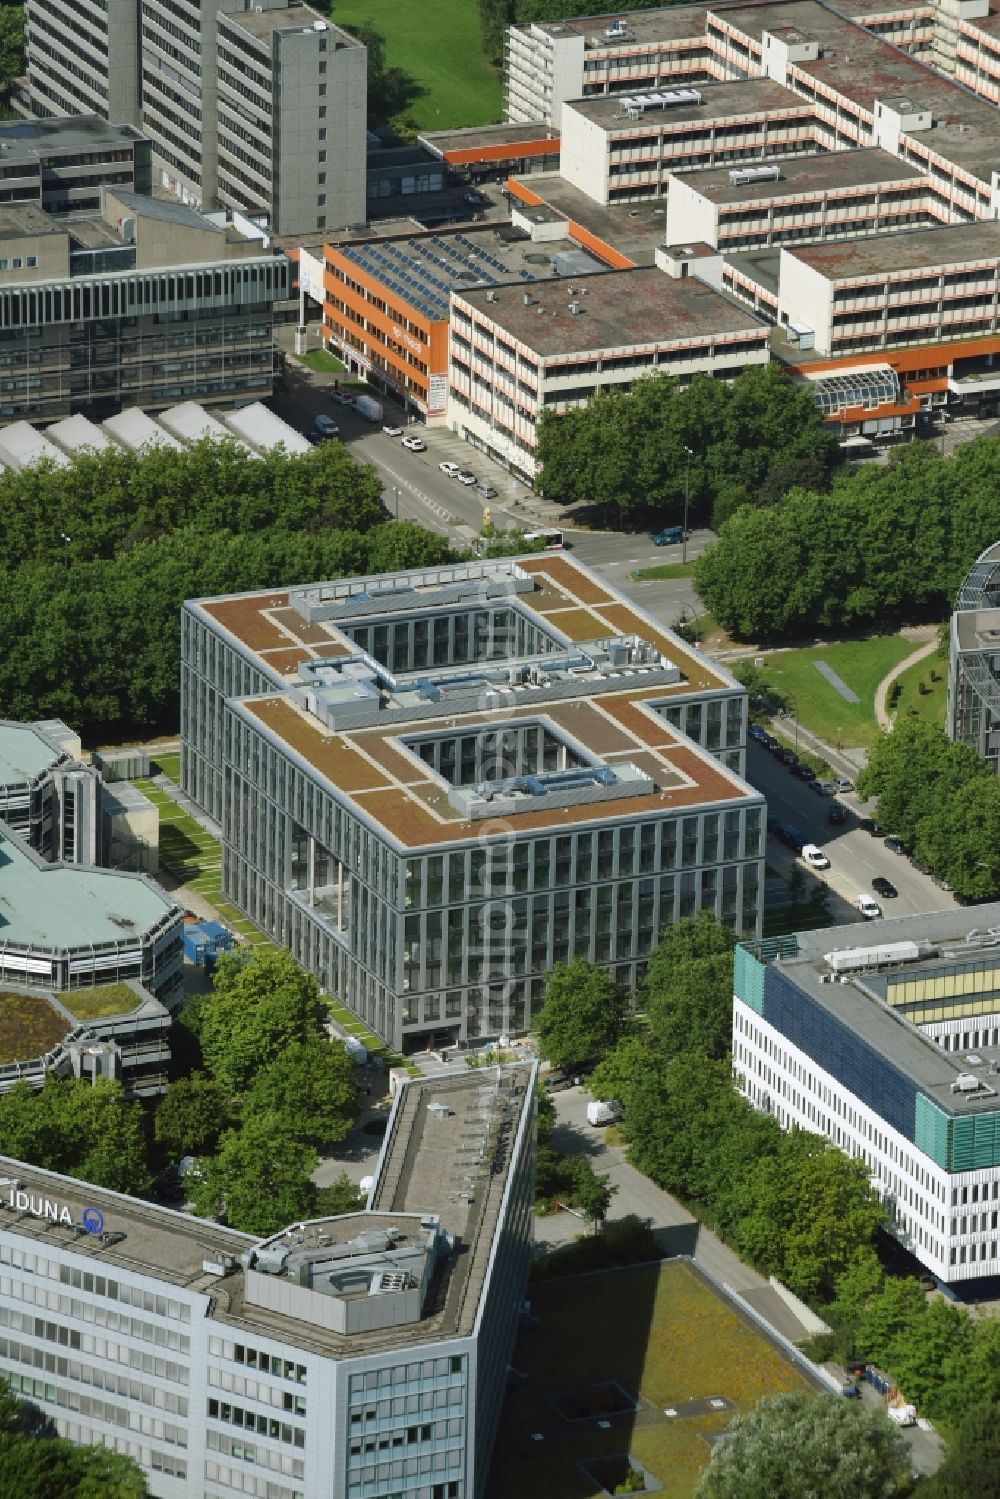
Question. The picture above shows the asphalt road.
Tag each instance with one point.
(855, 857)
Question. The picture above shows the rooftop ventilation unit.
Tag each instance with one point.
(966, 1082)
(853, 959)
(739, 176)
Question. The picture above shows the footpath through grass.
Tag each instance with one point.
(439, 46)
(860, 665)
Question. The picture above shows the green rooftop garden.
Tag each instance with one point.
(29, 1026)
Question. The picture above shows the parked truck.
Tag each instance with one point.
(369, 408)
(603, 1111)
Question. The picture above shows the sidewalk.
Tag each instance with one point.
(677, 1231)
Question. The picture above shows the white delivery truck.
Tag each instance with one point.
(603, 1111)
(369, 408)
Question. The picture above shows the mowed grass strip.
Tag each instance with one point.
(440, 47)
(860, 664)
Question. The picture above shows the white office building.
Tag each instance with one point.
(885, 1038)
(340, 1359)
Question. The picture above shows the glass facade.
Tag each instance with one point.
(454, 939)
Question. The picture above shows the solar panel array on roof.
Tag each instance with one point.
(424, 272)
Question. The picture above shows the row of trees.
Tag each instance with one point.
(942, 799)
(749, 442)
(97, 618)
(884, 543)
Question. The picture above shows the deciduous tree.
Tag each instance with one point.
(259, 1180)
(311, 1086)
(790, 1446)
(582, 1015)
(260, 1006)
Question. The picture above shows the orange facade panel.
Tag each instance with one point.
(904, 360)
(505, 151)
(375, 326)
(600, 248)
(523, 194)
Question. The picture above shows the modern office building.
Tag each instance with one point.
(83, 59)
(517, 351)
(259, 108)
(146, 303)
(885, 1038)
(387, 300)
(434, 785)
(341, 1358)
(973, 715)
(47, 795)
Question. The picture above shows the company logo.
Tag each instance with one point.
(91, 1219)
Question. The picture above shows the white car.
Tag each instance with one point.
(451, 469)
(870, 909)
(465, 476)
(391, 431)
(814, 856)
(326, 426)
(415, 444)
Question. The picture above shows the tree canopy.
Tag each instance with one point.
(582, 1016)
(795, 1445)
(259, 1007)
(97, 617)
(312, 1086)
(942, 799)
(35, 1463)
(259, 1180)
(883, 543)
(83, 1129)
(749, 440)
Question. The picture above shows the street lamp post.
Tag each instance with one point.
(395, 490)
(687, 501)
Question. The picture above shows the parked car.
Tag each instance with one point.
(884, 887)
(465, 476)
(757, 733)
(770, 743)
(842, 783)
(415, 444)
(941, 883)
(785, 755)
(556, 1082)
(869, 907)
(802, 772)
(825, 788)
(837, 814)
(815, 857)
(340, 398)
(870, 826)
(451, 469)
(790, 836)
(326, 426)
(486, 491)
(672, 536)
(391, 431)
(313, 437)
(896, 845)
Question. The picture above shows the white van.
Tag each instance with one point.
(814, 856)
(869, 908)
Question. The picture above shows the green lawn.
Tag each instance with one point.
(929, 705)
(321, 361)
(861, 664)
(438, 46)
(657, 1330)
(666, 570)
